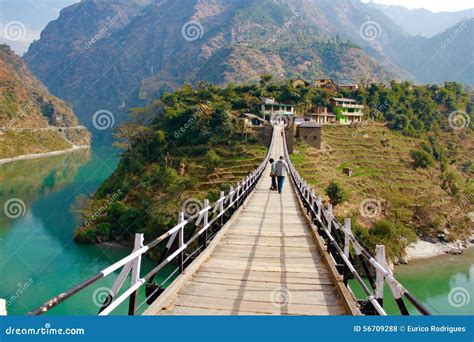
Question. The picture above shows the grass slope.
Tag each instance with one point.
(412, 199)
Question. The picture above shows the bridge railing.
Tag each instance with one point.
(184, 242)
(342, 245)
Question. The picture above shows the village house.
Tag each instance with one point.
(320, 115)
(311, 133)
(272, 108)
(349, 86)
(299, 82)
(347, 111)
(326, 83)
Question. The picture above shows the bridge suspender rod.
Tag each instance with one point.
(315, 205)
(356, 275)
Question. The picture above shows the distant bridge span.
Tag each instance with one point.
(255, 252)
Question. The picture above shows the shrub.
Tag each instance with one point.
(212, 160)
(383, 229)
(336, 193)
(421, 159)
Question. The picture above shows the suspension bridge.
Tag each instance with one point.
(254, 252)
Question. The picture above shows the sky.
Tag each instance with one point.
(431, 5)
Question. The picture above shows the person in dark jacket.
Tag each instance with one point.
(272, 174)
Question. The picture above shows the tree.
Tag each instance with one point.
(212, 160)
(336, 193)
(421, 159)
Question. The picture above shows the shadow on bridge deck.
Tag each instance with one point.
(265, 261)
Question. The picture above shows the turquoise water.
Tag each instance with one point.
(444, 285)
(38, 258)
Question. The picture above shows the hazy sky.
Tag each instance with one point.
(432, 5)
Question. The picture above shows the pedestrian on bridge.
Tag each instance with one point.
(281, 167)
(272, 174)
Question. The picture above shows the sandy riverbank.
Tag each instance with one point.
(424, 249)
(41, 155)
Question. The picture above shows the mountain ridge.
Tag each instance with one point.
(421, 21)
(146, 51)
(31, 119)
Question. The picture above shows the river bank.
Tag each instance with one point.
(42, 155)
(424, 249)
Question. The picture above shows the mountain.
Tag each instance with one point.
(421, 22)
(446, 56)
(31, 119)
(116, 56)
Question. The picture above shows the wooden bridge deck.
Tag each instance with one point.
(265, 261)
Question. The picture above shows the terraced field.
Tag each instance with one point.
(382, 174)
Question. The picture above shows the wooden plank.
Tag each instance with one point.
(303, 297)
(245, 265)
(268, 249)
(290, 283)
(191, 311)
(236, 306)
(309, 273)
(255, 260)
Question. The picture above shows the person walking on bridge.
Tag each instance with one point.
(272, 174)
(281, 167)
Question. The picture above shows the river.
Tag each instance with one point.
(39, 260)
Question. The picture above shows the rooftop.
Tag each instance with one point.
(310, 124)
(341, 99)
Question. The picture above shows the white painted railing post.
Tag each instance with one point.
(231, 193)
(206, 221)
(379, 276)
(320, 201)
(135, 277)
(329, 218)
(181, 241)
(347, 238)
